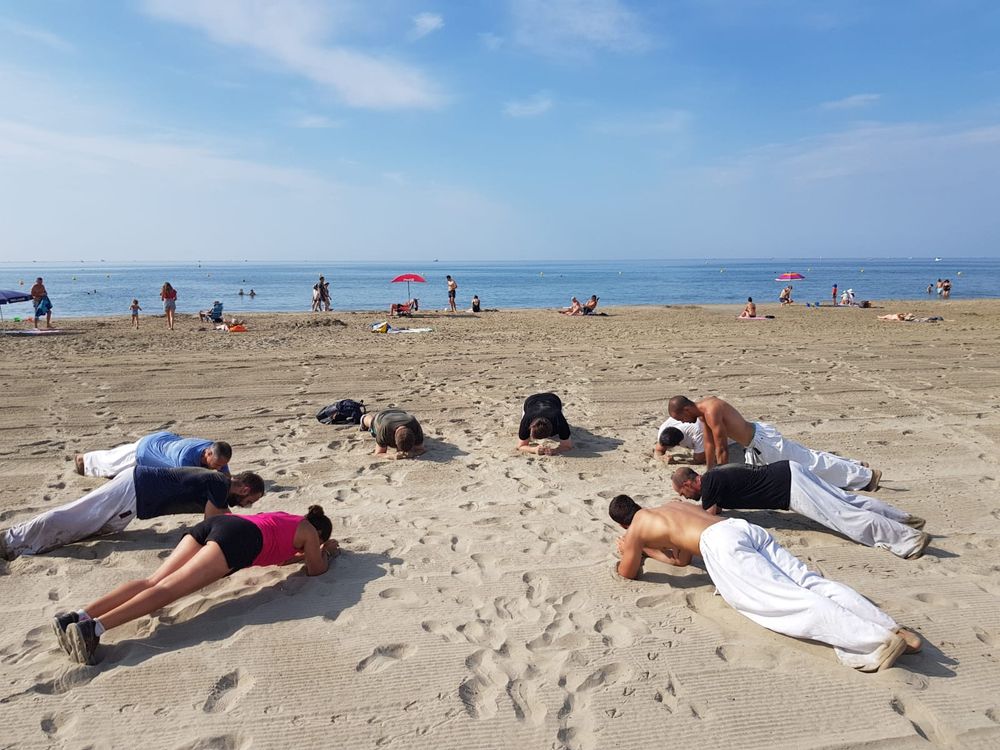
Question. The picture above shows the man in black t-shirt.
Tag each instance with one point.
(786, 485)
(543, 418)
(138, 492)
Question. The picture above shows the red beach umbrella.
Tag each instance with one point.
(416, 278)
(791, 276)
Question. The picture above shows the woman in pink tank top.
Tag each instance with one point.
(211, 550)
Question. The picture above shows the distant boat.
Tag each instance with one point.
(937, 260)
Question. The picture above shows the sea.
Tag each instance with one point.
(107, 289)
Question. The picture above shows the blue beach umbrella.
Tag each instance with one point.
(8, 297)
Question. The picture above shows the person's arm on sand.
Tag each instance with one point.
(551, 450)
(630, 549)
(317, 554)
(716, 440)
(380, 450)
(417, 451)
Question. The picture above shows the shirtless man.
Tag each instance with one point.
(786, 485)
(394, 428)
(765, 445)
(762, 581)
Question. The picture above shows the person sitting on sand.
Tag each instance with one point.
(394, 428)
(762, 581)
(575, 308)
(139, 492)
(212, 316)
(590, 305)
(210, 551)
(475, 304)
(750, 311)
(721, 422)
(786, 485)
(164, 450)
(673, 433)
(542, 418)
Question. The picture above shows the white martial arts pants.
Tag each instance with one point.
(763, 581)
(107, 509)
(768, 445)
(863, 519)
(111, 462)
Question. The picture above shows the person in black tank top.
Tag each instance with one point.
(785, 485)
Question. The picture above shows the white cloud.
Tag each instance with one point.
(424, 24)
(572, 28)
(857, 101)
(40, 36)
(291, 33)
(533, 106)
(651, 124)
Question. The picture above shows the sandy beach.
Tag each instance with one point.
(475, 604)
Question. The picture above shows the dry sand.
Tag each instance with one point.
(475, 605)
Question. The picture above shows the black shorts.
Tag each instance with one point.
(239, 539)
(451, 294)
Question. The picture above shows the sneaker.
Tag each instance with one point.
(873, 484)
(915, 522)
(59, 624)
(925, 539)
(889, 653)
(83, 641)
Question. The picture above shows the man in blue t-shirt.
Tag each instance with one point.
(138, 492)
(163, 450)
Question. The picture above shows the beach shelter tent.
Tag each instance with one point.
(790, 276)
(8, 297)
(408, 277)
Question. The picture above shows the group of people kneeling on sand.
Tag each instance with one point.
(750, 465)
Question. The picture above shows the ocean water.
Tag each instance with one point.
(100, 289)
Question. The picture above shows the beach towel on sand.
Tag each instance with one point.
(384, 327)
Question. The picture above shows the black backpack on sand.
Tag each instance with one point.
(344, 411)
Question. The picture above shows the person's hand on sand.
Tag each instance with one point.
(331, 548)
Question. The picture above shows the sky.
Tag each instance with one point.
(178, 130)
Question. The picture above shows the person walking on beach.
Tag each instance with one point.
(134, 309)
(394, 428)
(762, 581)
(834, 295)
(210, 551)
(163, 450)
(324, 294)
(721, 422)
(41, 301)
(139, 492)
(452, 289)
(317, 299)
(786, 485)
(169, 296)
(542, 418)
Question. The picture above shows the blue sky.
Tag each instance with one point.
(391, 129)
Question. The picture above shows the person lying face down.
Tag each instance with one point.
(162, 450)
(786, 485)
(674, 433)
(541, 419)
(236, 542)
(394, 428)
(138, 492)
(761, 580)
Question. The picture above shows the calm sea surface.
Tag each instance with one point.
(92, 289)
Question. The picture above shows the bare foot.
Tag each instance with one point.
(78, 460)
(913, 641)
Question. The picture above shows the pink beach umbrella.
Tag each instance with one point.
(408, 277)
(791, 276)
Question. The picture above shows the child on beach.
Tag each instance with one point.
(134, 309)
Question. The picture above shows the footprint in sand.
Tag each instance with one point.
(227, 692)
(405, 597)
(621, 631)
(384, 657)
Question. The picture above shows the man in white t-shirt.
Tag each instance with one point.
(673, 433)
